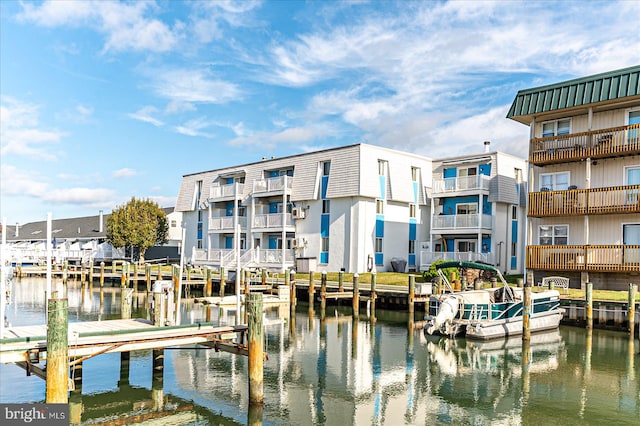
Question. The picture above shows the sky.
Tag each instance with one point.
(102, 101)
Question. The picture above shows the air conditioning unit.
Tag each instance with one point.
(298, 213)
(298, 242)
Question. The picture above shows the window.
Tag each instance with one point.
(325, 244)
(470, 208)
(378, 245)
(174, 223)
(550, 235)
(518, 175)
(326, 206)
(414, 174)
(326, 168)
(467, 171)
(380, 206)
(412, 246)
(412, 210)
(381, 167)
(554, 181)
(555, 128)
(514, 212)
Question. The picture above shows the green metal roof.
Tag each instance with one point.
(578, 92)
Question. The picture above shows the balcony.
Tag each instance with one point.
(225, 223)
(226, 192)
(461, 183)
(592, 258)
(270, 222)
(272, 186)
(612, 142)
(460, 222)
(608, 200)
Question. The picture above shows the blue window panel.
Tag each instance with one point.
(200, 231)
(228, 242)
(383, 187)
(412, 229)
(273, 173)
(449, 173)
(229, 209)
(379, 258)
(450, 242)
(514, 262)
(273, 242)
(324, 185)
(415, 192)
(324, 225)
(486, 205)
(228, 181)
(379, 226)
(412, 260)
(484, 169)
(324, 257)
(486, 242)
(514, 231)
(273, 207)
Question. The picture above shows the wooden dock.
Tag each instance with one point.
(88, 339)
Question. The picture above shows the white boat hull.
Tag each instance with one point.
(484, 330)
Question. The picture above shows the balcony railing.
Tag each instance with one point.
(615, 199)
(274, 184)
(225, 223)
(227, 257)
(461, 183)
(461, 221)
(428, 257)
(233, 190)
(612, 142)
(594, 258)
(273, 220)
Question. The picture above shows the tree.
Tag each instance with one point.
(139, 224)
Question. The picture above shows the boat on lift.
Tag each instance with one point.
(488, 313)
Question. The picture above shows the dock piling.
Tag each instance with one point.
(631, 311)
(374, 280)
(412, 294)
(356, 295)
(57, 373)
(209, 286)
(101, 274)
(341, 281)
(223, 281)
(323, 295)
(526, 312)
(312, 288)
(256, 348)
(589, 300)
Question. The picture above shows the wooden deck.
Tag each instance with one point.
(88, 339)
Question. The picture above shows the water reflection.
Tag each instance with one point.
(336, 369)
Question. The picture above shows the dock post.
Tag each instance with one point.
(526, 312)
(287, 281)
(82, 273)
(147, 276)
(208, 288)
(341, 281)
(374, 280)
(159, 272)
(263, 274)
(188, 272)
(312, 288)
(91, 273)
(294, 296)
(631, 312)
(552, 285)
(57, 373)
(589, 308)
(323, 295)
(494, 282)
(247, 281)
(65, 272)
(356, 295)
(122, 276)
(520, 282)
(412, 294)
(135, 276)
(125, 304)
(256, 348)
(223, 281)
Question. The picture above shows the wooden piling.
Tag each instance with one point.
(589, 307)
(412, 294)
(91, 273)
(356, 295)
(312, 287)
(263, 277)
(341, 281)
(520, 282)
(374, 280)
(65, 272)
(323, 295)
(208, 291)
(159, 309)
(247, 281)
(631, 312)
(294, 296)
(526, 312)
(147, 274)
(101, 274)
(57, 372)
(159, 273)
(256, 348)
(123, 275)
(223, 281)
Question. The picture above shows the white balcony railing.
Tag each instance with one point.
(428, 257)
(225, 223)
(462, 183)
(225, 191)
(227, 257)
(274, 184)
(461, 221)
(272, 220)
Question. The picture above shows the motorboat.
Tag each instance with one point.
(488, 313)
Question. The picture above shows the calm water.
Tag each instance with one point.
(343, 372)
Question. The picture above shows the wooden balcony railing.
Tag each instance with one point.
(611, 142)
(615, 199)
(593, 258)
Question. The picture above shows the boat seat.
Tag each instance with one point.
(559, 282)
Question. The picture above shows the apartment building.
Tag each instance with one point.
(584, 157)
(478, 211)
(355, 208)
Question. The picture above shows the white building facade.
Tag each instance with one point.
(478, 211)
(355, 208)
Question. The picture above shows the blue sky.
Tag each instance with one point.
(103, 101)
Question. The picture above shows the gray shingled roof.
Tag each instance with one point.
(574, 93)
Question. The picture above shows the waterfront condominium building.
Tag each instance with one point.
(584, 157)
(478, 210)
(355, 208)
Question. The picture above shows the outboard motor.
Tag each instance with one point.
(447, 312)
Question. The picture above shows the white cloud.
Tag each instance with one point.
(124, 173)
(145, 114)
(21, 132)
(192, 86)
(292, 136)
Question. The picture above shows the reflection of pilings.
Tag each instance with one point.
(311, 314)
(256, 348)
(526, 366)
(376, 365)
(354, 337)
(157, 379)
(587, 351)
(321, 370)
(76, 376)
(292, 322)
(631, 352)
(125, 358)
(255, 415)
